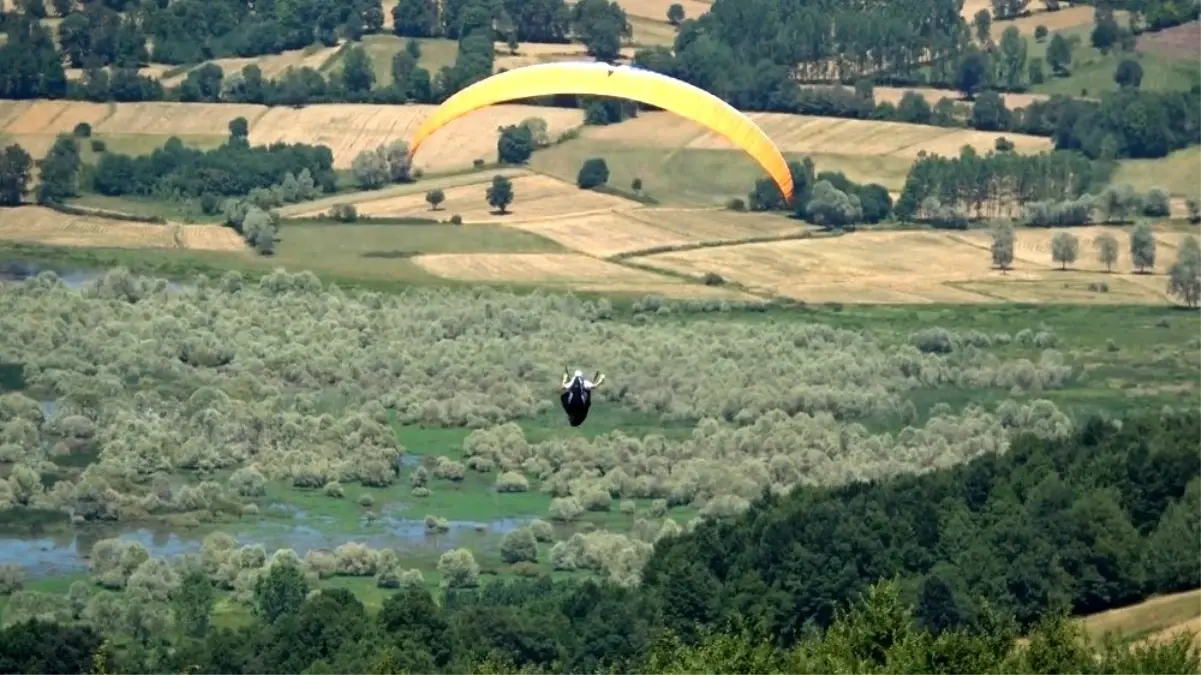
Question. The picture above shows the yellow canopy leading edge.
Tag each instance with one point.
(590, 78)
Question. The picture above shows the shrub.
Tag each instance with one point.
(344, 213)
(334, 489)
(712, 279)
(456, 219)
(12, 579)
(736, 204)
(459, 569)
(511, 481)
(82, 130)
(366, 501)
(98, 145)
(542, 530)
(519, 546)
(565, 509)
(593, 173)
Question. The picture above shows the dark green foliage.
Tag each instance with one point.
(43, 647)
(975, 183)
(1128, 74)
(1044, 524)
(500, 193)
(515, 145)
(593, 173)
(58, 177)
(233, 169)
(193, 604)
(16, 170)
(30, 65)
(279, 593)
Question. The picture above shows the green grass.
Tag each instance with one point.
(436, 54)
(687, 177)
(1179, 173)
(1091, 72)
(382, 251)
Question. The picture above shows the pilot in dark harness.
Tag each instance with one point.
(577, 396)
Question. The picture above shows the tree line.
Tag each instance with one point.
(975, 556)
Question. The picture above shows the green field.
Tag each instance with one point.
(688, 177)
(1091, 72)
(436, 54)
(1179, 173)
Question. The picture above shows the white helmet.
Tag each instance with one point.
(578, 374)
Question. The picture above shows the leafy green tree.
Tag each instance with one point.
(1065, 247)
(515, 145)
(357, 72)
(193, 604)
(415, 18)
(1035, 72)
(1194, 211)
(59, 172)
(1013, 57)
(972, 73)
(982, 22)
(403, 65)
(239, 128)
(1105, 31)
(1184, 276)
(1128, 74)
(1107, 250)
(1157, 203)
(1059, 55)
(202, 84)
(1040, 33)
(833, 208)
(500, 193)
(1142, 247)
(593, 173)
(1003, 245)
(989, 112)
(675, 14)
(279, 592)
(371, 170)
(411, 617)
(63, 7)
(434, 198)
(16, 169)
(914, 108)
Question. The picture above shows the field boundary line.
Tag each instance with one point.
(760, 293)
(721, 243)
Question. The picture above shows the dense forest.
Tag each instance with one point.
(978, 554)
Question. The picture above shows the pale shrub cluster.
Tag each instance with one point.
(723, 466)
(287, 379)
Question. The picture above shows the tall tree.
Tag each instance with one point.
(1003, 245)
(1184, 276)
(415, 18)
(1107, 250)
(1142, 247)
(58, 177)
(1064, 249)
(16, 169)
(500, 193)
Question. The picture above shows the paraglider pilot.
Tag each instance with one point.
(577, 396)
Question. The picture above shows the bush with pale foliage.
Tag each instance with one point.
(459, 569)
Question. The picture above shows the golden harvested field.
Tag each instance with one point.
(565, 270)
(34, 224)
(347, 129)
(535, 197)
(816, 135)
(657, 9)
(533, 53)
(274, 65)
(615, 233)
(1158, 618)
(914, 267)
(1067, 17)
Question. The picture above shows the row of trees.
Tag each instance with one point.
(1184, 275)
(978, 554)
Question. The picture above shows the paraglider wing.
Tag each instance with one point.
(588, 78)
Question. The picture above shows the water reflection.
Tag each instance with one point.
(66, 551)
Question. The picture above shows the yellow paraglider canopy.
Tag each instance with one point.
(589, 78)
